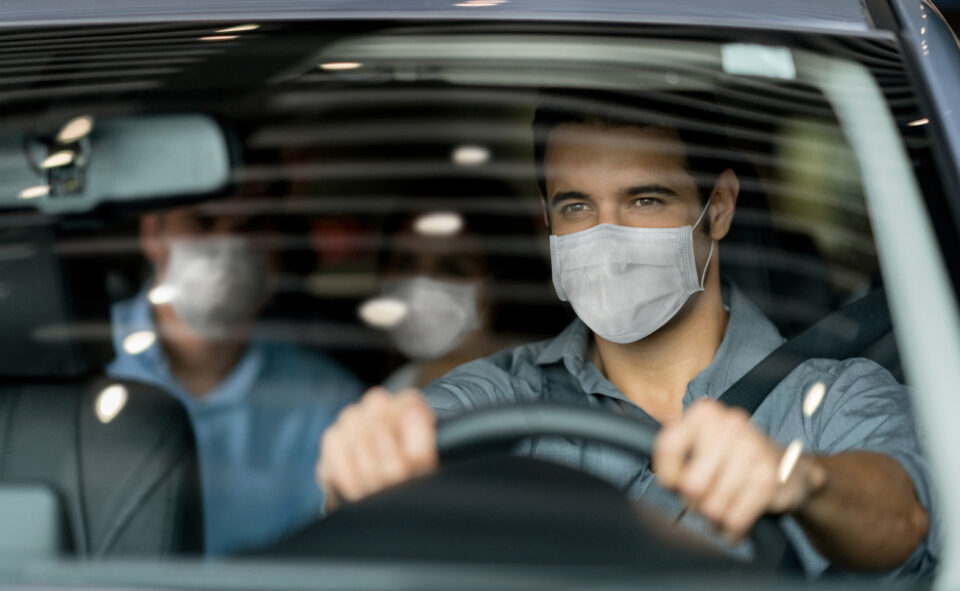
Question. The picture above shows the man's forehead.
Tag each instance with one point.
(627, 154)
(648, 138)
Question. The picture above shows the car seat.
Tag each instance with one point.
(119, 455)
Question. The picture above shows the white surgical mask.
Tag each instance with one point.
(439, 315)
(216, 284)
(625, 282)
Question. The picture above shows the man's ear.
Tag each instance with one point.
(723, 203)
(150, 242)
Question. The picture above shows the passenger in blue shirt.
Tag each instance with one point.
(253, 403)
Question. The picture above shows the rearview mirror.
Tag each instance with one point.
(120, 159)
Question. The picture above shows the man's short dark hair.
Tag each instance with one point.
(695, 116)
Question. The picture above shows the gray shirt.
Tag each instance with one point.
(864, 408)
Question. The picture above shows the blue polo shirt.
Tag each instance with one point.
(257, 431)
(864, 408)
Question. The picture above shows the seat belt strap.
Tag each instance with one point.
(846, 333)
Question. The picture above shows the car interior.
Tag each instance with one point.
(334, 163)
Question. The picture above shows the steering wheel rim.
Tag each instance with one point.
(498, 428)
(494, 427)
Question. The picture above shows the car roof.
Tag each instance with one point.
(814, 15)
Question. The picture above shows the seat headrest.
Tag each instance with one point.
(54, 309)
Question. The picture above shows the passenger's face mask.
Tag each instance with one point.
(625, 282)
(440, 314)
(218, 284)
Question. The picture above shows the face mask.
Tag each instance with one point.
(440, 314)
(217, 284)
(624, 282)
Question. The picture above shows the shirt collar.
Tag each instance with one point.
(749, 337)
(135, 315)
(570, 344)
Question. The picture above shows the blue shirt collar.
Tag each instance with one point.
(135, 315)
(749, 337)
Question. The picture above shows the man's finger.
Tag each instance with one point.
(712, 447)
(752, 502)
(386, 443)
(418, 431)
(326, 467)
(341, 470)
(354, 470)
(675, 442)
(369, 426)
(730, 481)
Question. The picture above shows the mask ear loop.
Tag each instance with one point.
(703, 212)
(706, 265)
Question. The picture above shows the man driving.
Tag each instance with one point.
(638, 207)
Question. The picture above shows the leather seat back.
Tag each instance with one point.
(120, 455)
(128, 482)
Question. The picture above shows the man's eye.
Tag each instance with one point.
(574, 208)
(646, 202)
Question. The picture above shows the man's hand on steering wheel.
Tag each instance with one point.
(729, 471)
(380, 441)
(713, 456)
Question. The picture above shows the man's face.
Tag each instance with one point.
(457, 258)
(195, 222)
(628, 176)
(191, 223)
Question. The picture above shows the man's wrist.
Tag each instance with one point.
(812, 475)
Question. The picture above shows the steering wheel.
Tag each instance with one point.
(488, 505)
(498, 428)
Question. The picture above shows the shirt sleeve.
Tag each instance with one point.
(866, 409)
(491, 381)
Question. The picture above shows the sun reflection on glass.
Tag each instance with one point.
(813, 398)
(34, 192)
(75, 129)
(439, 223)
(340, 66)
(789, 460)
(110, 402)
(58, 159)
(470, 155)
(138, 342)
(162, 294)
(239, 29)
(383, 313)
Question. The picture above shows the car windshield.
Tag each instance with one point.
(214, 243)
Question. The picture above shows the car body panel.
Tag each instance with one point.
(936, 52)
(824, 15)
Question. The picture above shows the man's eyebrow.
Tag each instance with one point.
(650, 189)
(568, 196)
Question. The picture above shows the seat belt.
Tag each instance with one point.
(846, 333)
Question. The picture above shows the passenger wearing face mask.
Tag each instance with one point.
(252, 402)
(638, 206)
(440, 280)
